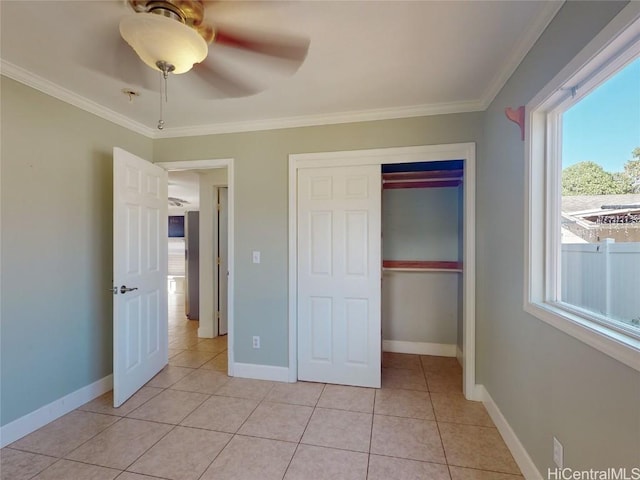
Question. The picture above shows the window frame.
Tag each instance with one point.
(614, 47)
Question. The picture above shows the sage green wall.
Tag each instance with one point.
(421, 224)
(261, 206)
(545, 382)
(56, 247)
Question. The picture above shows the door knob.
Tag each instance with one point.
(125, 289)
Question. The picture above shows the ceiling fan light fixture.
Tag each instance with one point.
(156, 38)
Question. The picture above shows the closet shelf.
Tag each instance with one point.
(421, 266)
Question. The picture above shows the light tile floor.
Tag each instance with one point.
(193, 422)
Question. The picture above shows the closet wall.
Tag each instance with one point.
(422, 245)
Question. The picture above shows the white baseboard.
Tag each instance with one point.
(419, 348)
(477, 393)
(261, 372)
(520, 455)
(459, 356)
(30, 422)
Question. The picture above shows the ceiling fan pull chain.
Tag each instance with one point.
(166, 87)
(161, 121)
(165, 68)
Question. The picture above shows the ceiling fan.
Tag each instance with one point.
(177, 202)
(174, 36)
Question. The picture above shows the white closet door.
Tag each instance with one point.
(339, 275)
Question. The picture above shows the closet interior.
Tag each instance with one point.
(422, 251)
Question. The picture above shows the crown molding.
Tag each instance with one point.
(527, 41)
(324, 119)
(519, 52)
(43, 85)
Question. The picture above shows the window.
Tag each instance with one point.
(583, 205)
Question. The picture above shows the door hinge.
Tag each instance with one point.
(218, 315)
(218, 260)
(218, 207)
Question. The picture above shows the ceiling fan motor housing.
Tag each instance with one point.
(166, 9)
(188, 12)
(165, 33)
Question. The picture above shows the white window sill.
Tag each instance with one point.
(622, 347)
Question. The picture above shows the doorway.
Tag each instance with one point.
(436, 153)
(210, 240)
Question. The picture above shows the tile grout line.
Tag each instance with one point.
(150, 476)
(168, 432)
(431, 462)
(435, 418)
(157, 422)
(324, 386)
(89, 439)
(264, 401)
(252, 411)
(64, 457)
(155, 443)
(373, 419)
(182, 420)
(233, 435)
(159, 439)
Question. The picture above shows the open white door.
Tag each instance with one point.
(339, 274)
(140, 330)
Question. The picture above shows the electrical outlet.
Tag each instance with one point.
(256, 342)
(256, 256)
(558, 453)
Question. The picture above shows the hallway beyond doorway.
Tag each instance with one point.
(185, 348)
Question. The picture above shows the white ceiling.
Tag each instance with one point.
(367, 60)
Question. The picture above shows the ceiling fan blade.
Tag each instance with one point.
(283, 46)
(229, 85)
(128, 67)
(118, 60)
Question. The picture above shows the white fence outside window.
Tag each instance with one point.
(603, 278)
